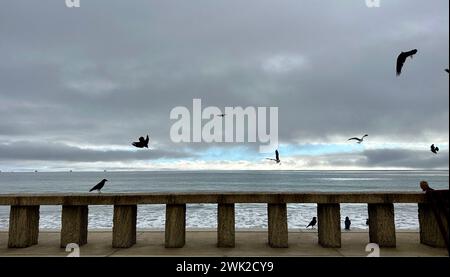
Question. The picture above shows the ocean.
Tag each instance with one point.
(204, 215)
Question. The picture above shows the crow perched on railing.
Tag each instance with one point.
(99, 186)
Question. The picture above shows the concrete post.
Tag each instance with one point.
(124, 226)
(74, 225)
(382, 224)
(225, 225)
(329, 225)
(429, 229)
(23, 226)
(175, 225)
(277, 223)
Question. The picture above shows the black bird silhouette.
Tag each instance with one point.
(359, 140)
(277, 157)
(312, 223)
(347, 223)
(99, 186)
(402, 58)
(221, 115)
(142, 142)
(434, 149)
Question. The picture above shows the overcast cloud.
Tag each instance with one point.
(77, 86)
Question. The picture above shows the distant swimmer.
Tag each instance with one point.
(347, 223)
(312, 223)
(99, 186)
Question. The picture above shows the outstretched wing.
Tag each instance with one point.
(358, 139)
(400, 61)
(147, 139)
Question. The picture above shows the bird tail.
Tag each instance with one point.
(91, 189)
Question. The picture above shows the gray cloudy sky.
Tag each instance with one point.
(77, 86)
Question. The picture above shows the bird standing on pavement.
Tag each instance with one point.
(312, 223)
(347, 223)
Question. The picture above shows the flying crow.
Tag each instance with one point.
(402, 58)
(142, 142)
(434, 149)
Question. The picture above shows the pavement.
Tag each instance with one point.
(203, 243)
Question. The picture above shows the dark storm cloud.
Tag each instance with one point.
(26, 151)
(111, 71)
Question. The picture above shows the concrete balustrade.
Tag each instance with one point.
(329, 225)
(175, 225)
(225, 225)
(24, 216)
(23, 226)
(124, 226)
(277, 224)
(74, 225)
(382, 224)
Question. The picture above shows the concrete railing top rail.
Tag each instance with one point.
(209, 197)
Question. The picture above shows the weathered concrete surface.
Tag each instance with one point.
(74, 225)
(329, 226)
(204, 243)
(225, 225)
(23, 226)
(209, 197)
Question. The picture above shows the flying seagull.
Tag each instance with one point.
(312, 223)
(347, 223)
(277, 157)
(434, 149)
(141, 143)
(99, 186)
(221, 115)
(402, 58)
(359, 140)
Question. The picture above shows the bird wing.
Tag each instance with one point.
(400, 61)
(358, 139)
(277, 155)
(147, 139)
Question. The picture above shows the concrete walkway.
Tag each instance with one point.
(203, 243)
